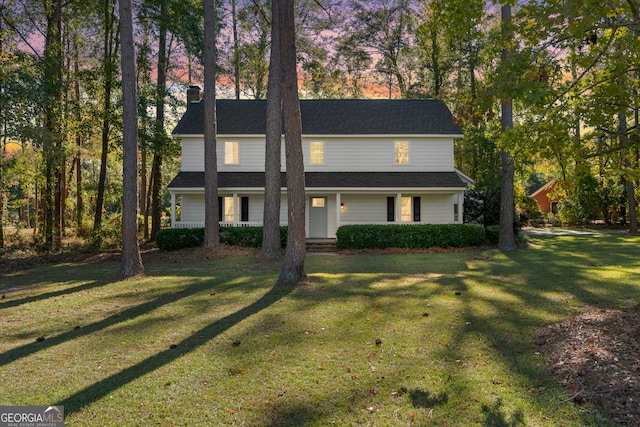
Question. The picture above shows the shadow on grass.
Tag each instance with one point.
(68, 291)
(531, 287)
(103, 387)
(424, 399)
(294, 415)
(130, 313)
(495, 417)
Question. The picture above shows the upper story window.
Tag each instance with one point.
(402, 153)
(231, 153)
(316, 150)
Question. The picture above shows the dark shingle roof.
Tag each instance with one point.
(330, 117)
(328, 180)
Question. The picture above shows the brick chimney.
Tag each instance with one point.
(193, 95)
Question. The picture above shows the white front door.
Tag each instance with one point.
(318, 217)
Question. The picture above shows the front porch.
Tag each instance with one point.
(325, 211)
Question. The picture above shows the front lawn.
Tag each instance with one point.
(382, 340)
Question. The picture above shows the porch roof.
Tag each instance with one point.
(362, 180)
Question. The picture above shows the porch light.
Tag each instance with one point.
(341, 207)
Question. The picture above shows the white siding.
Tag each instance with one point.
(331, 216)
(256, 208)
(192, 208)
(377, 154)
(436, 209)
(372, 209)
(192, 155)
(342, 154)
(364, 209)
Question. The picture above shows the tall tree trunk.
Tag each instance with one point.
(212, 222)
(60, 157)
(629, 184)
(109, 46)
(3, 150)
(144, 79)
(79, 198)
(506, 240)
(58, 201)
(271, 242)
(3, 144)
(160, 136)
(78, 157)
(1, 212)
(156, 195)
(144, 207)
(36, 209)
(293, 263)
(236, 49)
(53, 95)
(102, 178)
(130, 260)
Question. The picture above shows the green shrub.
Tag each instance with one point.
(493, 234)
(171, 239)
(409, 236)
(108, 236)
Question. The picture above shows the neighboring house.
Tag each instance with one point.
(366, 162)
(545, 198)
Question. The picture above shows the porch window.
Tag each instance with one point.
(456, 207)
(391, 209)
(402, 153)
(405, 215)
(244, 209)
(316, 153)
(228, 209)
(231, 153)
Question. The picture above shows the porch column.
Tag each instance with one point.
(236, 209)
(338, 211)
(173, 210)
(399, 207)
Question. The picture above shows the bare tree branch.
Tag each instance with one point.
(24, 39)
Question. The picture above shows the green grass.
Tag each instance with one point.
(160, 350)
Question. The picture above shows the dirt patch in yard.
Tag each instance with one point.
(199, 254)
(596, 356)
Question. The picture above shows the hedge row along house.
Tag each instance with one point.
(366, 162)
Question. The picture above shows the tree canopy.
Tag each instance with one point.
(572, 81)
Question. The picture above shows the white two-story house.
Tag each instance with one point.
(366, 162)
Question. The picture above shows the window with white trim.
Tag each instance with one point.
(401, 153)
(456, 207)
(228, 206)
(317, 202)
(231, 153)
(316, 153)
(406, 213)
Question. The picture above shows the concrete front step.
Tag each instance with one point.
(321, 245)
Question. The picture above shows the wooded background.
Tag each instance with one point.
(569, 69)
